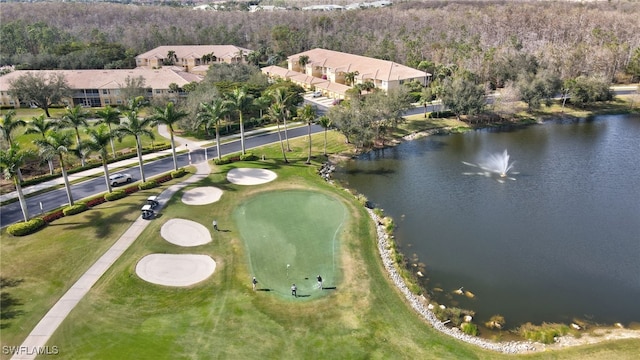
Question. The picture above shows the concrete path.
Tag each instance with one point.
(38, 338)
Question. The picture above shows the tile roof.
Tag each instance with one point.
(368, 68)
(111, 79)
(197, 51)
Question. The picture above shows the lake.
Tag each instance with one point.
(559, 242)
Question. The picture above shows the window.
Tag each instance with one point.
(105, 91)
(119, 102)
(158, 91)
(107, 101)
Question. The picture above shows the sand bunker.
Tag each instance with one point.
(250, 176)
(185, 232)
(174, 269)
(201, 195)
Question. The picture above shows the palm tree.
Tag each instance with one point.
(10, 161)
(240, 101)
(109, 116)
(169, 116)
(99, 139)
(280, 96)
(40, 125)
(425, 98)
(278, 111)
(74, 118)
(213, 113)
(262, 103)
(350, 77)
(325, 122)
(7, 125)
(303, 61)
(57, 143)
(136, 127)
(307, 114)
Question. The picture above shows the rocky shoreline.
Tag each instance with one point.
(418, 302)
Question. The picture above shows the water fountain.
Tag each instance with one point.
(497, 163)
(494, 164)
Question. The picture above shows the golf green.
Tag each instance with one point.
(292, 237)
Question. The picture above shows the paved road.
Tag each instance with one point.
(53, 199)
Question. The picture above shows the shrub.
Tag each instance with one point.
(248, 157)
(495, 322)
(545, 333)
(178, 173)
(26, 227)
(441, 114)
(53, 216)
(115, 195)
(469, 329)
(131, 189)
(222, 161)
(362, 199)
(148, 185)
(453, 314)
(75, 209)
(163, 178)
(96, 201)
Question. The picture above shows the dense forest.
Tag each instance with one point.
(495, 41)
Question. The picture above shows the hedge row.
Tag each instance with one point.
(35, 224)
(93, 164)
(233, 158)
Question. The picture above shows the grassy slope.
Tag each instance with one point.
(124, 317)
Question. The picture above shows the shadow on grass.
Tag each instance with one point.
(264, 289)
(102, 225)
(8, 303)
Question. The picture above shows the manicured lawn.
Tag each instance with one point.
(42, 266)
(124, 317)
(285, 247)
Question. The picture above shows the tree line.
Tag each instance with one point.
(220, 100)
(493, 40)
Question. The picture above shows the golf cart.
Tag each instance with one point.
(147, 212)
(152, 201)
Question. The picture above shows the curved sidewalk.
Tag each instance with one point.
(38, 338)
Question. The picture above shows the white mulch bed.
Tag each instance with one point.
(185, 233)
(201, 195)
(175, 269)
(250, 176)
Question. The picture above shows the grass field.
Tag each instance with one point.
(124, 317)
(291, 237)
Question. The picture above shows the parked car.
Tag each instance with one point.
(317, 94)
(120, 178)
